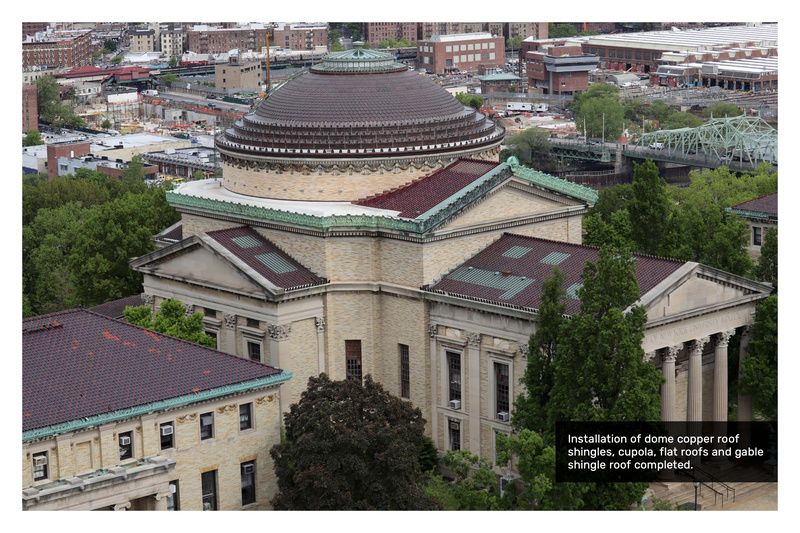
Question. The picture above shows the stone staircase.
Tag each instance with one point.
(711, 496)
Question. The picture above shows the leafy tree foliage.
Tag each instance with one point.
(759, 371)
(650, 211)
(173, 62)
(32, 138)
(557, 31)
(134, 170)
(116, 60)
(767, 267)
(474, 486)
(109, 46)
(614, 230)
(680, 119)
(394, 43)
(474, 101)
(171, 319)
(514, 43)
(106, 124)
(350, 446)
(723, 109)
(532, 148)
(51, 109)
(531, 409)
(598, 112)
(168, 79)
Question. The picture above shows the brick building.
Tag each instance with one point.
(203, 39)
(143, 41)
(461, 51)
(30, 108)
(380, 31)
(68, 149)
(70, 48)
(537, 30)
(557, 66)
(32, 28)
(300, 36)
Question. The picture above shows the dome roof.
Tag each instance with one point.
(358, 104)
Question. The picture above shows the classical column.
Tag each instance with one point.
(161, 500)
(695, 410)
(433, 329)
(744, 401)
(668, 357)
(277, 333)
(122, 506)
(474, 393)
(721, 376)
(319, 322)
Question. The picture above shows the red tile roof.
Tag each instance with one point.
(78, 364)
(763, 204)
(516, 278)
(116, 308)
(419, 196)
(265, 258)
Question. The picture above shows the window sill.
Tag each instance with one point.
(249, 506)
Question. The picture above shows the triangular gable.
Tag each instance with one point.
(200, 260)
(511, 199)
(695, 287)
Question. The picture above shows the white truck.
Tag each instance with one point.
(541, 108)
(518, 106)
(150, 92)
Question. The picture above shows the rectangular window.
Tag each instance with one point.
(756, 236)
(254, 351)
(491, 45)
(352, 353)
(454, 375)
(454, 431)
(40, 470)
(125, 445)
(491, 56)
(206, 426)
(173, 500)
(210, 313)
(248, 470)
(167, 432)
(209, 483)
(253, 323)
(501, 389)
(448, 48)
(245, 416)
(405, 373)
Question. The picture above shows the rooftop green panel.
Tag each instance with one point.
(515, 252)
(554, 258)
(276, 263)
(512, 285)
(246, 241)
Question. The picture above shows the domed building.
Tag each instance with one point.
(354, 125)
(364, 225)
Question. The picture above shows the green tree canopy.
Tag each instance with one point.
(109, 46)
(106, 124)
(171, 319)
(173, 62)
(116, 60)
(767, 267)
(723, 109)
(168, 79)
(598, 111)
(32, 138)
(474, 486)
(474, 101)
(51, 109)
(651, 212)
(532, 148)
(759, 371)
(350, 446)
(514, 43)
(557, 31)
(135, 169)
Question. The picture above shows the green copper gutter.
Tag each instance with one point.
(171, 403)
(752, 214)
(553, 183)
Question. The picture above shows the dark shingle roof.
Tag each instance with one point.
(77, 364)
(767, 204)
(510, 271)
(265, 258)
(116, 308)
(421, 195)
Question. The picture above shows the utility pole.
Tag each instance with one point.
(604, 128)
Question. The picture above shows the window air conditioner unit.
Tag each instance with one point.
(248, 469)
(502, 416)
(167, 430)
(40, 461)
(455, 404)
(124, 441)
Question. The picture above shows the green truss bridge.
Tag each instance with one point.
(740, 143)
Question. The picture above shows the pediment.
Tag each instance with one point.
(512, 199)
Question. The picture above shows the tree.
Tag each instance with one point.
(350, 446)
(173, 62)
(616, 229)
(767, 267)
(531, 408)
(474, 487)
(557, 31)
(32, 138)
(723, 109)
(759, 371)
(51, 109)
(171, 319)
(168, 79)
(116, 60)
(134, 170)
(598, 112)
(474, 101)
(198, 175)
(109, 46)
(106, 124)
(514, 43)
(532, 148)
(599, 370)
(650, 211)
(680, 119)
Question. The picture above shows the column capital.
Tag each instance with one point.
(433, 329)
(671, 353)
(279, 332)
(230, 320)
(147, 299)
(697, 345)
(650, 356)
(724, 337)
(473, 339)
(319, 322)
(122, 506)
(189, 309)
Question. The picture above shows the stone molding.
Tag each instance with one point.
(230, 320)
(697, 345)
(724, 337)
(279, 332)
(473, 339)
(319, 323)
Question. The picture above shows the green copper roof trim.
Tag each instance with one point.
(480, 184)
(171, 403)
(547, 181)
(751, 214)
(358, 60)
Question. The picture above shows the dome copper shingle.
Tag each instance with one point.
(359, 104)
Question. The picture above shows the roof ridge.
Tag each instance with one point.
(176, 338)
(54, 313)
